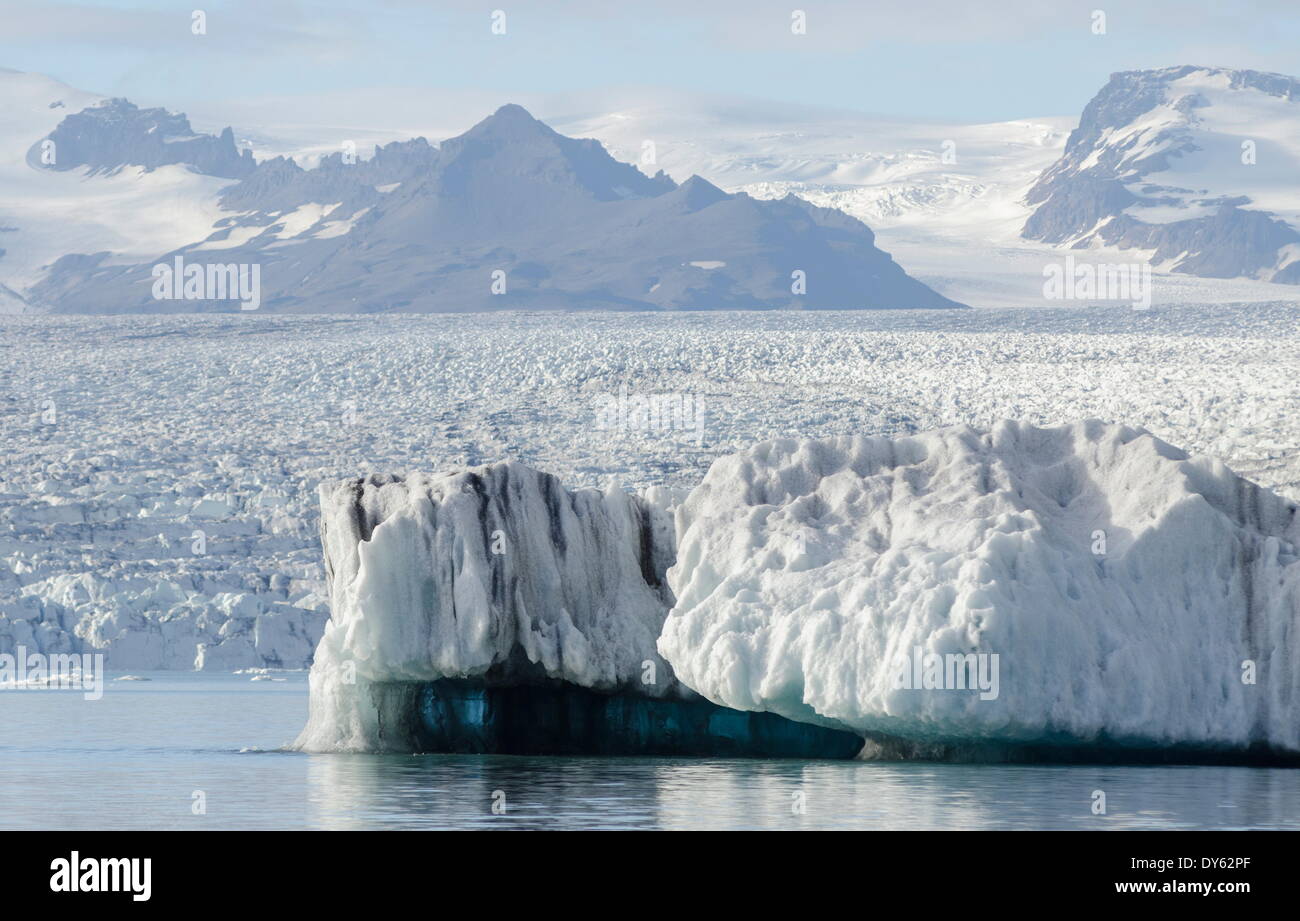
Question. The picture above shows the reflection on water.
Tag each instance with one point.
(457, 791)
(135, 759)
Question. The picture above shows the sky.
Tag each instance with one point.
(949, 60)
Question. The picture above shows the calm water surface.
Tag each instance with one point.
(135, 758)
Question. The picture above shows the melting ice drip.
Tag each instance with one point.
(1141, 605)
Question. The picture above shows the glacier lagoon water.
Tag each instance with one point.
(136, 758)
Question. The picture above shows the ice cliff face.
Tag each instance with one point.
(137, 625)
(1108, 590)
(493, 574)
(1193, 165)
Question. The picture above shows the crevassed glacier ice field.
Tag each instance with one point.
(158, 487)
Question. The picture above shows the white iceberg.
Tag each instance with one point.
(1124, 593)
(496, 574)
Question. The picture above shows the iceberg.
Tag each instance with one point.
(492, 610)
(1080, 592)
(1095, 588)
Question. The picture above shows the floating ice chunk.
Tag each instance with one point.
(496, 574)
(1130, 594)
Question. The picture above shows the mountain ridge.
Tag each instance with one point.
(508, 215)
(1161, 162)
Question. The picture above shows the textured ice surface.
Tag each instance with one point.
(1122, 586)
(495, 573)
(493, 610)
(164, 427)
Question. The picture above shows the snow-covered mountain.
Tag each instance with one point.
(884, 171)
(946, 200)
(1194, 166)
(952, 203)
(509, 215)
(132, 211)
(116, 134)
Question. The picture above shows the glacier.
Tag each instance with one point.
(1135, 598)
(99, 511)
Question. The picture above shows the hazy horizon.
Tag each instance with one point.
(942, 61)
